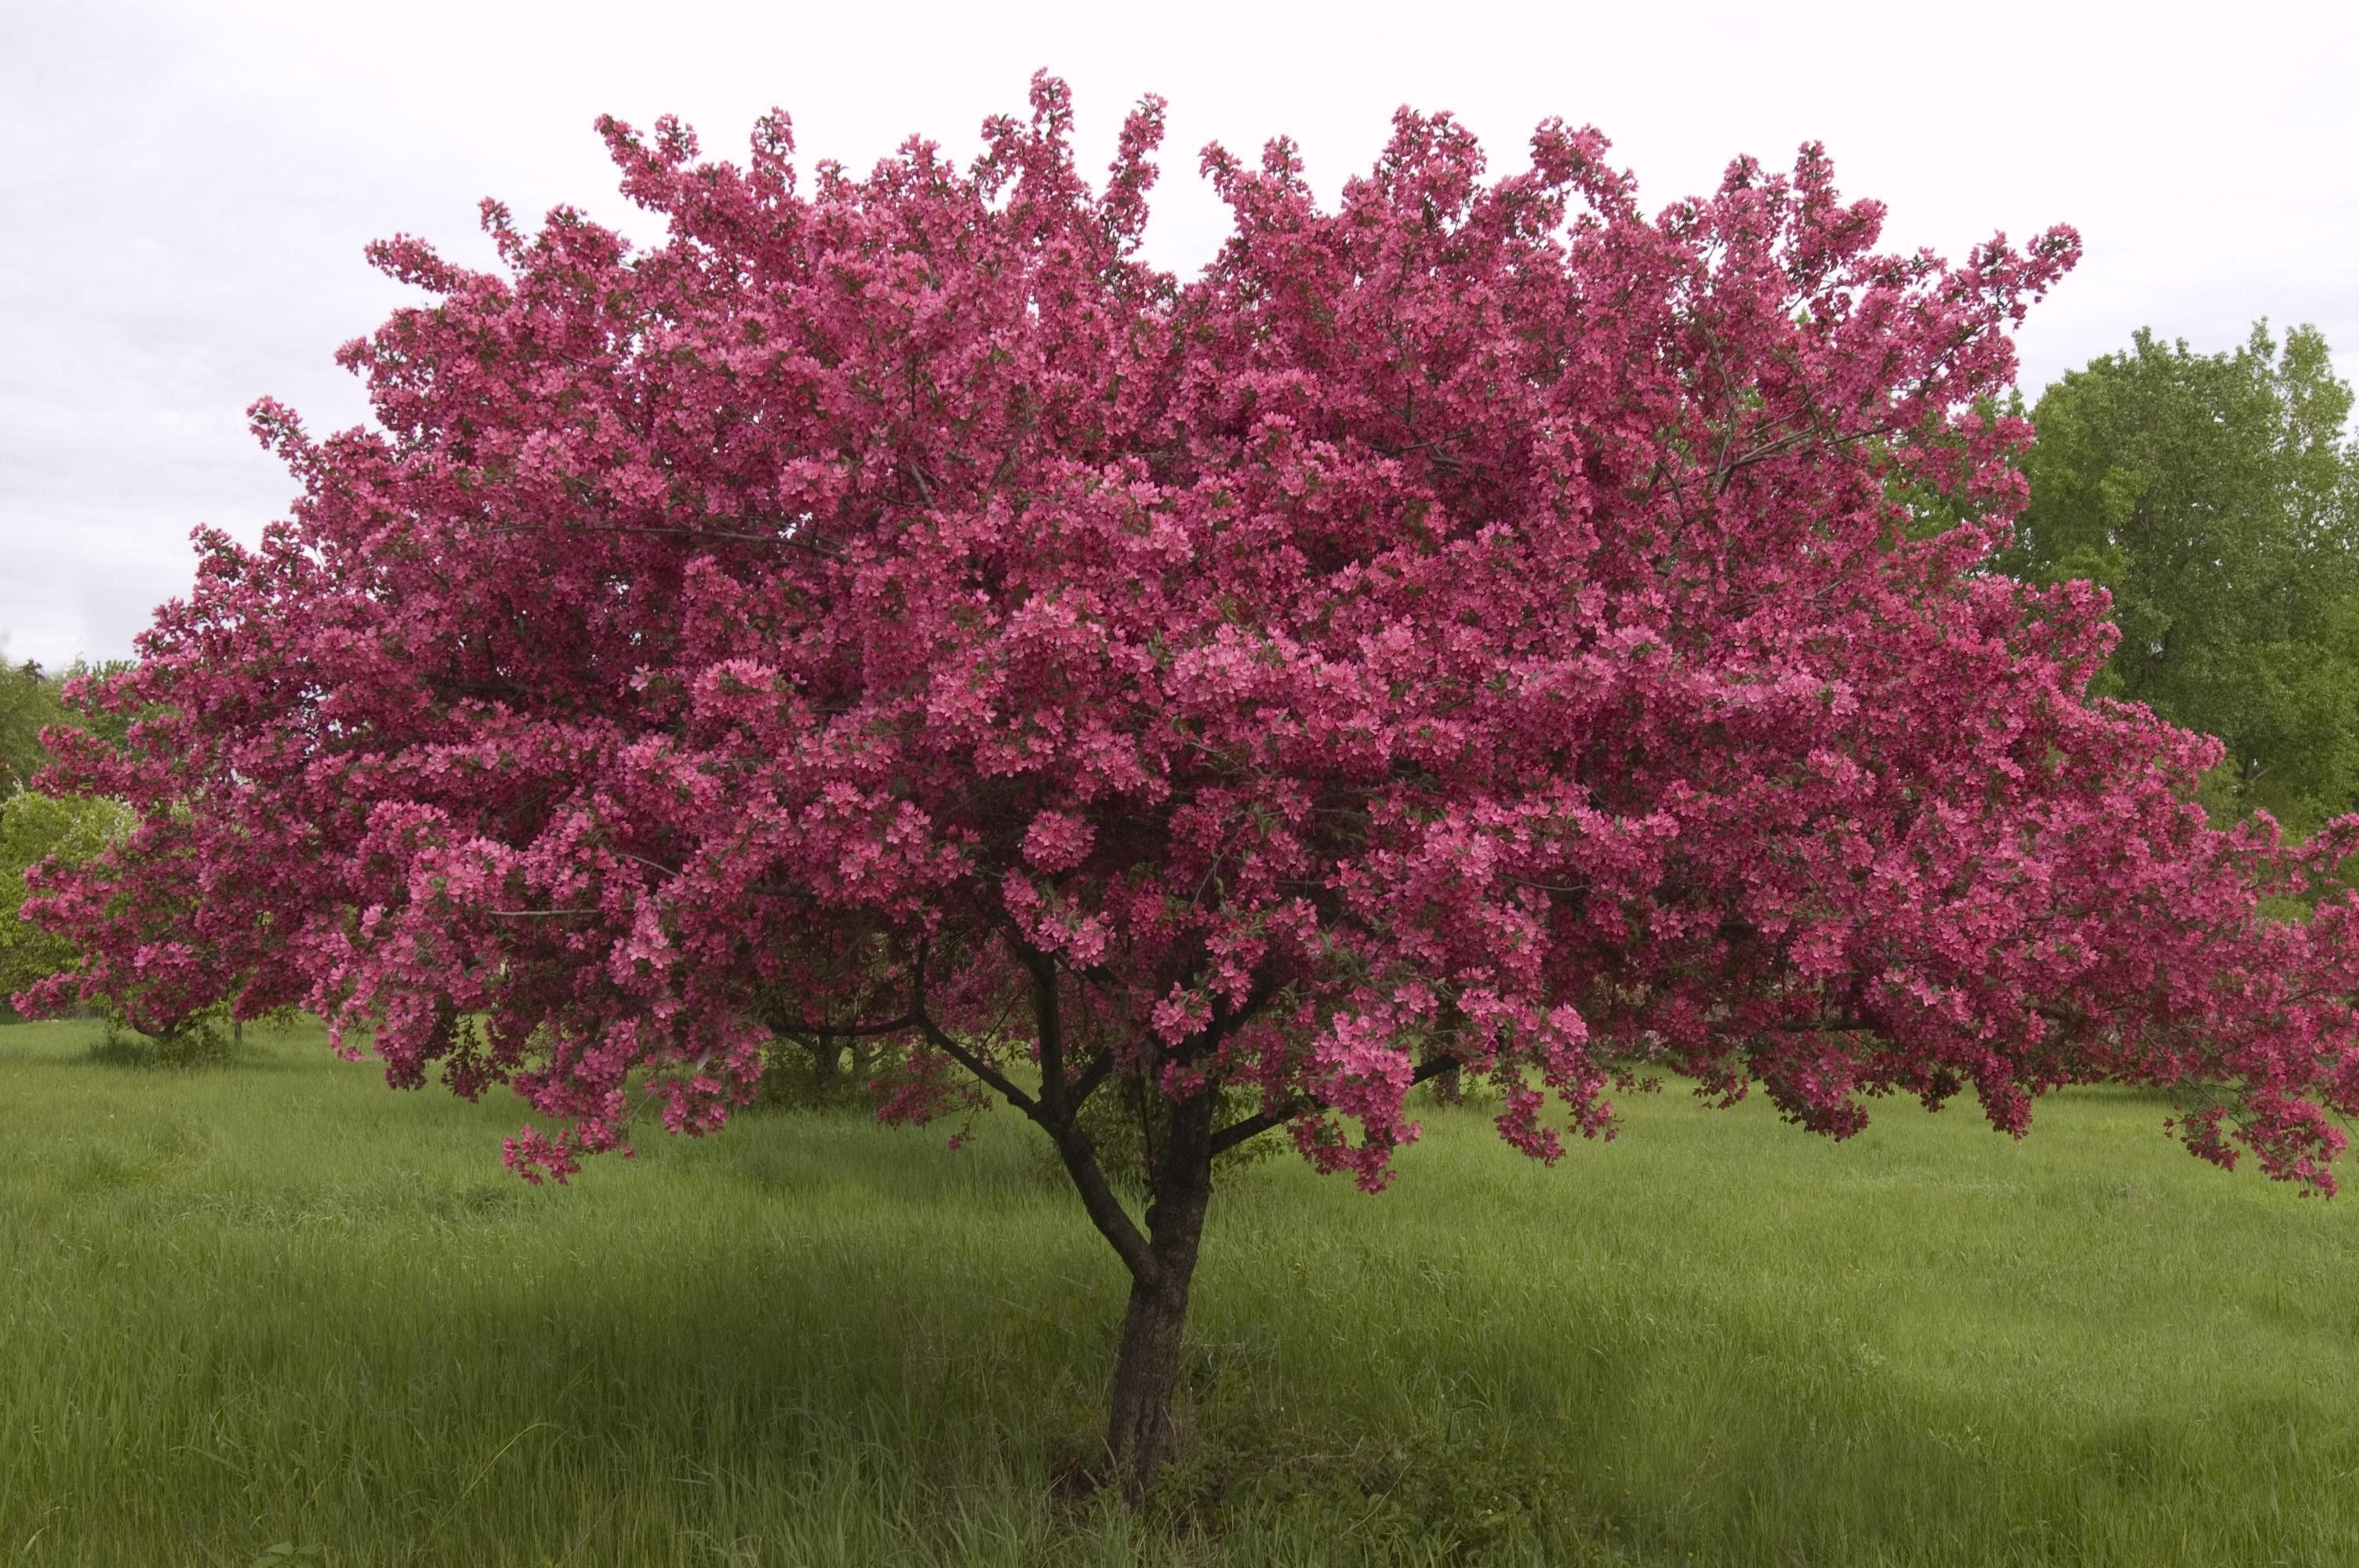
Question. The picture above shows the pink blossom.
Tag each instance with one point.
(1058, 841)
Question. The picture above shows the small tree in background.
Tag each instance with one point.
(29, 703)
(2216, 498)
(35, 829)
(60, 833)
(1476, 627)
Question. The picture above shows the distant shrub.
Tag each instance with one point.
(207, 1039)
(34, 829)
(811, 1073)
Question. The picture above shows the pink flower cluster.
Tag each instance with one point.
(1483, 622)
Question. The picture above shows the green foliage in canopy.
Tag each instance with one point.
(2217, 496)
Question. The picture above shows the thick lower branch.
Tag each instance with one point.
(1048, 1031)
(941, 1041)
(1055, 1119)
(1254, 1126)
(1080, 1156)
(1101, 1068)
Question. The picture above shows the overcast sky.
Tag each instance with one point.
(187, 186)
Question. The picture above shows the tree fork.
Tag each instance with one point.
(1162, 1261)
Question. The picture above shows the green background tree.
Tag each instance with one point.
(35, 826)
(28, 702)
(2214, 494)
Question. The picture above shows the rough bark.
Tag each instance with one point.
(1154, 1326)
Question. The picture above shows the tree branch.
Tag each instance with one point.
(1049, 1030)
(1055, 1119)
(979, 1067)
(813, 545)
(1254, 1126)
(908, 1021)
(1844, 1024)
(1100, 1067)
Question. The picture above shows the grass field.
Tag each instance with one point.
(278, 1304)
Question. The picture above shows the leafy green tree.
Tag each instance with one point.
(28, 702)
(2213, 495)
(34, 827)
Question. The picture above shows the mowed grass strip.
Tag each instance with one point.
(279, 1303)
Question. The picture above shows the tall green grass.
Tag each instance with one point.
(277, 1304)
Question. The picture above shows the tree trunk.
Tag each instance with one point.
(1160, 1256)
(1147, 1363)
(1449, 1085)
(1154, 1326)
(826, 1061)
(1438, 1057)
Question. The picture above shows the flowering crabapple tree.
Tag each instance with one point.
(1479, 627)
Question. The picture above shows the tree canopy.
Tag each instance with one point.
(1473, 626)
(2216, 497)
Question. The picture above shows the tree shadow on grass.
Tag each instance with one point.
(760, 1329)
(943, 1382)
